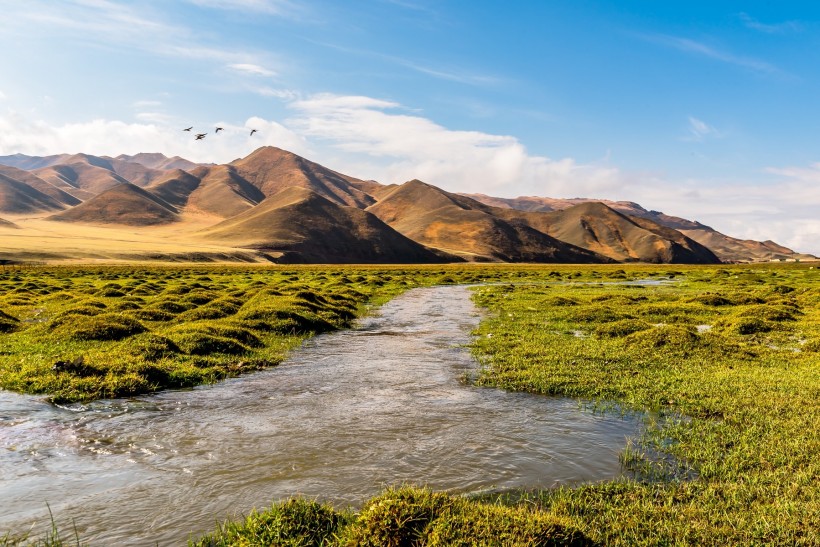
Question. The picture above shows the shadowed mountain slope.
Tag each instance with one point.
(125, 204)
(464, 227)
(222, 192)
(17, 197)
(599, 228)
(308, 227)
(725, 247)
(175, 187)
(40, 185)
(81, 178)
(272, 169)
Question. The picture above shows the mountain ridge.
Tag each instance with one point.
(331, 215)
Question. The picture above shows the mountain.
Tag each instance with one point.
(40, 185)
(467, 228)
(308, 227)
(81, 175)
(17, 197)
(276, 200)
(22, 161)
(272, 169)
(158, 161)
(126, 204)
(727, 248)
(599, 228)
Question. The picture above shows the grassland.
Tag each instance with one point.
(726, 360)
(80, 333)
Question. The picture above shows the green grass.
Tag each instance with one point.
(141, 330)
(739, 401)
(725, 359)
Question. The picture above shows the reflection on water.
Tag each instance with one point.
(349, 413)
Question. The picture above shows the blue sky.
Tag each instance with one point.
(706, 110)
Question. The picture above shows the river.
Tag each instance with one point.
(346, 415)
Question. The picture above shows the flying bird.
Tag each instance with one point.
(188, 128)
(253, 131)
(200, 136)
(218, 129)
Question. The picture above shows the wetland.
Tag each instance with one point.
(723, 359)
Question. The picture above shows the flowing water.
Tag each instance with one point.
(348, 414)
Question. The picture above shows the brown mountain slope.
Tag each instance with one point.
(466, 228)
(222, 192)
(727, 248)
(308, 227)
(81, 178)
(158, 161)
(594, 226)
(22, 161)
(17, 197)
(125, 204)
(175, 187)
(40, 185)
(272, 170)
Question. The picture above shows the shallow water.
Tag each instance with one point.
(349, 413)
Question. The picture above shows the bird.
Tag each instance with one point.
(218, 129)
(200, 136)
(188, 128)
(253, 131)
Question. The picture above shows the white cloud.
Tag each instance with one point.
(2, 96)
(699, 130)
(692, 46)
(112, 137)
(271, 7)
(251, 69)
(394, 147)
(777, 28)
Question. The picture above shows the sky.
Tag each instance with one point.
(700, 109)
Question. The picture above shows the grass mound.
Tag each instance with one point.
(8, 322)
(284, 321)
(214, 338)
(771, 313)
(744, 325)
(711, 299)
(666, 336)
(596, 314)
(621, 328)
(107, 326)
(405, 516)
(152, 347)
(560, 301)
(295, 522)
(216, 309)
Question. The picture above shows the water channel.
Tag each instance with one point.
(346, 415)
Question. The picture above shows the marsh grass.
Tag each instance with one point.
(148, 329)
(746, 393)
(729, 458)
(401, 516)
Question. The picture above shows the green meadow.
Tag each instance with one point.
(724, 361)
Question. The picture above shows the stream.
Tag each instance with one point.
(347, 414)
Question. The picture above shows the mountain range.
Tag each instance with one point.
(276, 205)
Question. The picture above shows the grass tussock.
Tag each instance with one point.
(403, 516)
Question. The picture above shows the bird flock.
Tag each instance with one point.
(200, 136)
